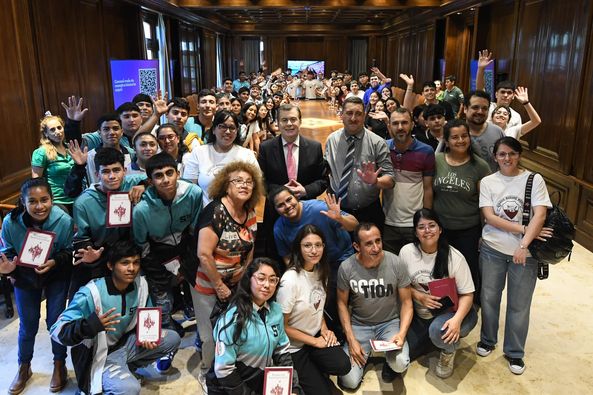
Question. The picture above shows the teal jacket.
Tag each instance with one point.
(13, 237)
(167, 231)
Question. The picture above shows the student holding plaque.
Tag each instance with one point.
(103, 215)
(250, 336)
(112, 328)
(35, 252)
(428, 259)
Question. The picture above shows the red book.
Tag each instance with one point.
(445, 287)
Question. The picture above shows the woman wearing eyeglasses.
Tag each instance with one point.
(168, 138)
(504, 255)
(250, 335)
(223, 147)
(456, 193)
(501, 115)
(427, 259)
(226, 235)
(315, 350)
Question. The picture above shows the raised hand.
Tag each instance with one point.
(367, 172)
(7, 265)
(484, 58)
(159, 102)
(108, 319)
(521, 95)
(74, 109)
(79, 155)
(408, 79)
(87, 255)
(333, 207)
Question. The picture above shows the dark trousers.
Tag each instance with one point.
(331, 304)
(467, 241)
(372, 213)
(314, 365)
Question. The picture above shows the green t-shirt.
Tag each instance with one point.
(456, 194)
(55, 172)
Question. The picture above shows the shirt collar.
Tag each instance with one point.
(296, 142)
(114, 291)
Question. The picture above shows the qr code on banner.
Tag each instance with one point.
(148, 81)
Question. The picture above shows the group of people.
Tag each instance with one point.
(322, 280)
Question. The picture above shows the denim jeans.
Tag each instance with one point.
(422, 331)
(118, 377)
(203, 306)
(28, 304)
(164, 300)
(398, 360)
(495, 268)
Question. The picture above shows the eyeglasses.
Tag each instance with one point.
(238, 182)
(223, 128)
(431, 226)
(260, 279)
(168, 137)
(311, 246)
(502, 155)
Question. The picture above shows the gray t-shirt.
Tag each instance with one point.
(483, 145)
(373, 293)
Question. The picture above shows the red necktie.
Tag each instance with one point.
(290, 165)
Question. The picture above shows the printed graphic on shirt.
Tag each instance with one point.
(420, 279)
(508, 207)
(315, 298)
(452, 183)
(374, 288)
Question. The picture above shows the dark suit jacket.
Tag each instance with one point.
(311, 172)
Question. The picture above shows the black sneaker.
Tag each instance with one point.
(516, 365)
(387, 374)
(484, 349)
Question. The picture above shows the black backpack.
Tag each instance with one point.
(557, 247)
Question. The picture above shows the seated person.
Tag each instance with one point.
(316, 352)
(250, 335)
(430, 257)
(375, 303)
(103, 340)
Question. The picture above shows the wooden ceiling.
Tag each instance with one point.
(314, 12)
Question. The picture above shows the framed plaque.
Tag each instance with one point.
(278, 380)
(148, 325)
(119, 210)
(36, 248)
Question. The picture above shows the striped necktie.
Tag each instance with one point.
(348, 168)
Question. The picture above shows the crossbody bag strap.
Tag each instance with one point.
(542, 268)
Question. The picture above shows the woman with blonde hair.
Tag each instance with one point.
(52, 159)
(226, 236)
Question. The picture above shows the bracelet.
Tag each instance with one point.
(526, 103)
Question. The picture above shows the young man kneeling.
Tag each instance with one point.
(100, 325)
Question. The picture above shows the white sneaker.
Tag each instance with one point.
(484, 349)
(445, 365)
(516, 365)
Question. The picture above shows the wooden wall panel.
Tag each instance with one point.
(336, 53)
(275, 52)
(209, 59)
(305, 48)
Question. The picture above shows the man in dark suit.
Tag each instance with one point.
(293, 161)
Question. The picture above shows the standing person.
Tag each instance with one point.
(168, 136)
(453, 95)
(226, 236)
(413, 162)
(250, 335)
(375, 303)
(359, 164)
(36, 211)
(311, 85)
(378, 81)
(199, 125)
(249, 132)
(431, 258)
(146, 146)
(429, 93)
(99, 324)
(456, 188)
(291, 160)
(52, 160)
(434, 116)
(504, 255)
(502, 116)
(204, 163)
(315, 349)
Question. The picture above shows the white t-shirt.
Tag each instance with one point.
(359, 94)
(515, 116)
(204, 163)
(310, 87)
(513, 131)
(506, 196)
(420, 266)
(302, 296)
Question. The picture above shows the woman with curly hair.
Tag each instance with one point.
(52, 159)
(226, 236)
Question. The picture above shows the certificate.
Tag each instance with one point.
(119, 210)
(148, 325)
(36, 248)
(278, 380)
(382, 345)
(173, 265)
